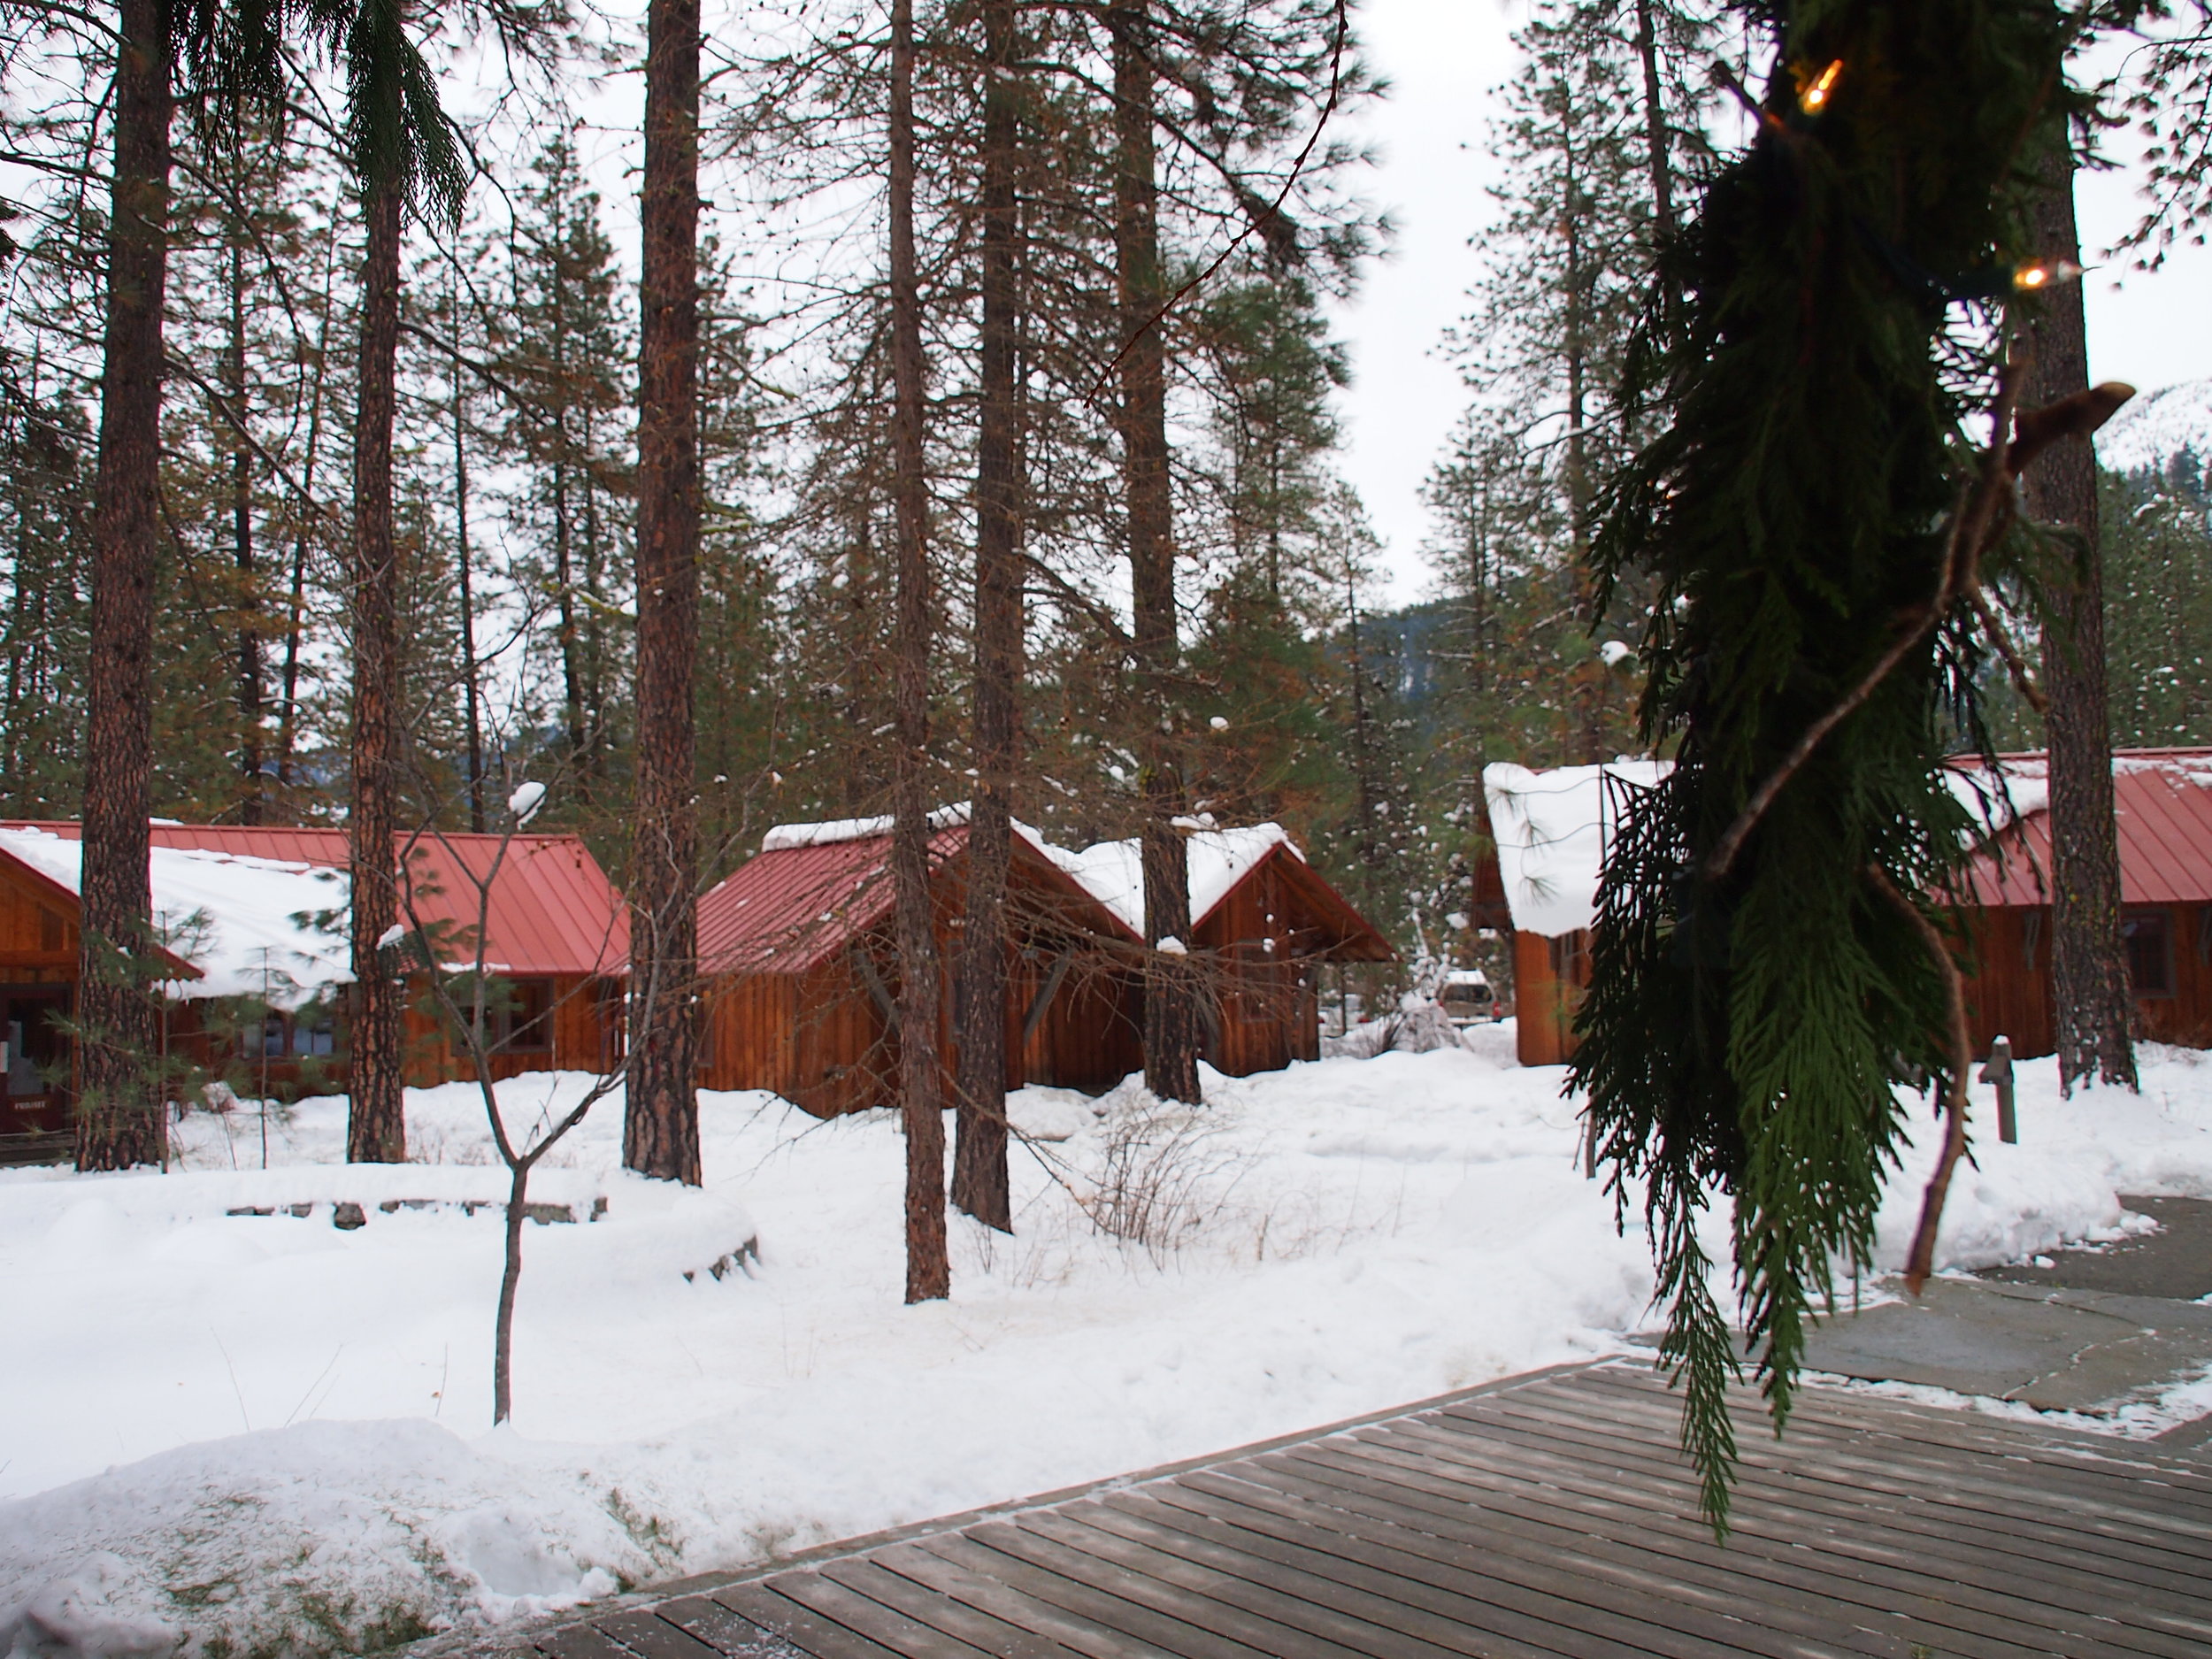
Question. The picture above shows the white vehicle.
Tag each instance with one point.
(1466, 997)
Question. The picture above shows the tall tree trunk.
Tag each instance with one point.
(118, 1121)
(472, 693)
(376, 1128)
(660, 1133)
(296, 610)
(1658, 149)
(928, 1270)
(253, 788)
(1171, 992)
(979, 1181)
(2088, 959)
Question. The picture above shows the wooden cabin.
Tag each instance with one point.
(1263, 923)
(1549, 831)
(2162, 812)
(802, 970)
(255, 920)
(38, 991)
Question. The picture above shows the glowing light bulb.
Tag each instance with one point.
(2043, 273)
(1812, 97)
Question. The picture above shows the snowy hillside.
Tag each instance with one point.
(262, 1433)
(2156, 426)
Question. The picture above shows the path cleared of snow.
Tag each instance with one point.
(263, 1434)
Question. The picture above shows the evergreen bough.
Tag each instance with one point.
(1766, 967)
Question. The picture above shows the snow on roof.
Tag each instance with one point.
(783, 837)
(246, 924)
(1550, 829)
(1113, 871)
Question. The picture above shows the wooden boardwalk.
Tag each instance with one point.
(1548, 1516)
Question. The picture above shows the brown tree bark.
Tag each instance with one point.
(660, 1132)
(928, 1270)
(376, 1124)
(118, 1106)
(472, 689)
(1171, 992)
(979, 1181)
(252, 787)
(2092, 1003)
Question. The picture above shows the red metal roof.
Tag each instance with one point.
(788, 910)
(2162, 806)
(552, 912)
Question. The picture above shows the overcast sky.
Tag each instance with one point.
(1444, 57)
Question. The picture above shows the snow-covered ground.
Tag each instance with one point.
(265, 1433)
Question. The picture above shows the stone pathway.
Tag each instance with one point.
(2101, 1326)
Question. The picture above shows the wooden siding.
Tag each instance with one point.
(1266, 943)
(2009, 991)
(1550, 978)
(585, 1016)
(819, 1039)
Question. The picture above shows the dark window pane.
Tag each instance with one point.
(2150, 954)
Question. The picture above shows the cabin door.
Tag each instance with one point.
(38, 1068)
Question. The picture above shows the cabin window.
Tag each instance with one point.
(282, 1036)
(522, 1021)
(2150, 953)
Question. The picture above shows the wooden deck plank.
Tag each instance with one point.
(580, 1641)
(1406, 1553)
(1908, 1421)
(813, 1635)
(2086, 1483)
(1708, 1628)
(650, 1636)
(1162, 1632)
(2053, 1594)
(1445, 1618)
(1543, 1556)
(1314, 1606)
(1198, 1597)
(1010, 1605)
(1936, 1598)
(1925, 1504)
(1752, 1565)
(1928, 1496)
(866, 1576)
(1554, 1518)
(819, 1593)
(725, 1630)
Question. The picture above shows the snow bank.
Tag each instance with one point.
(249, 925)
(1550, 831)
(263, 1434)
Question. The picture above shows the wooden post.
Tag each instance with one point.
(1998, 1072)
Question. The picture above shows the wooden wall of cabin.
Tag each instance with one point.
(38, 978)
(1091, 1034)
(1550, 978)
(1267, 1008)
(819, 1039)
(583, 1032)
(2009, 991)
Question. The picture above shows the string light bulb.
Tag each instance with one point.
(1813, 95)
(2043, 274)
